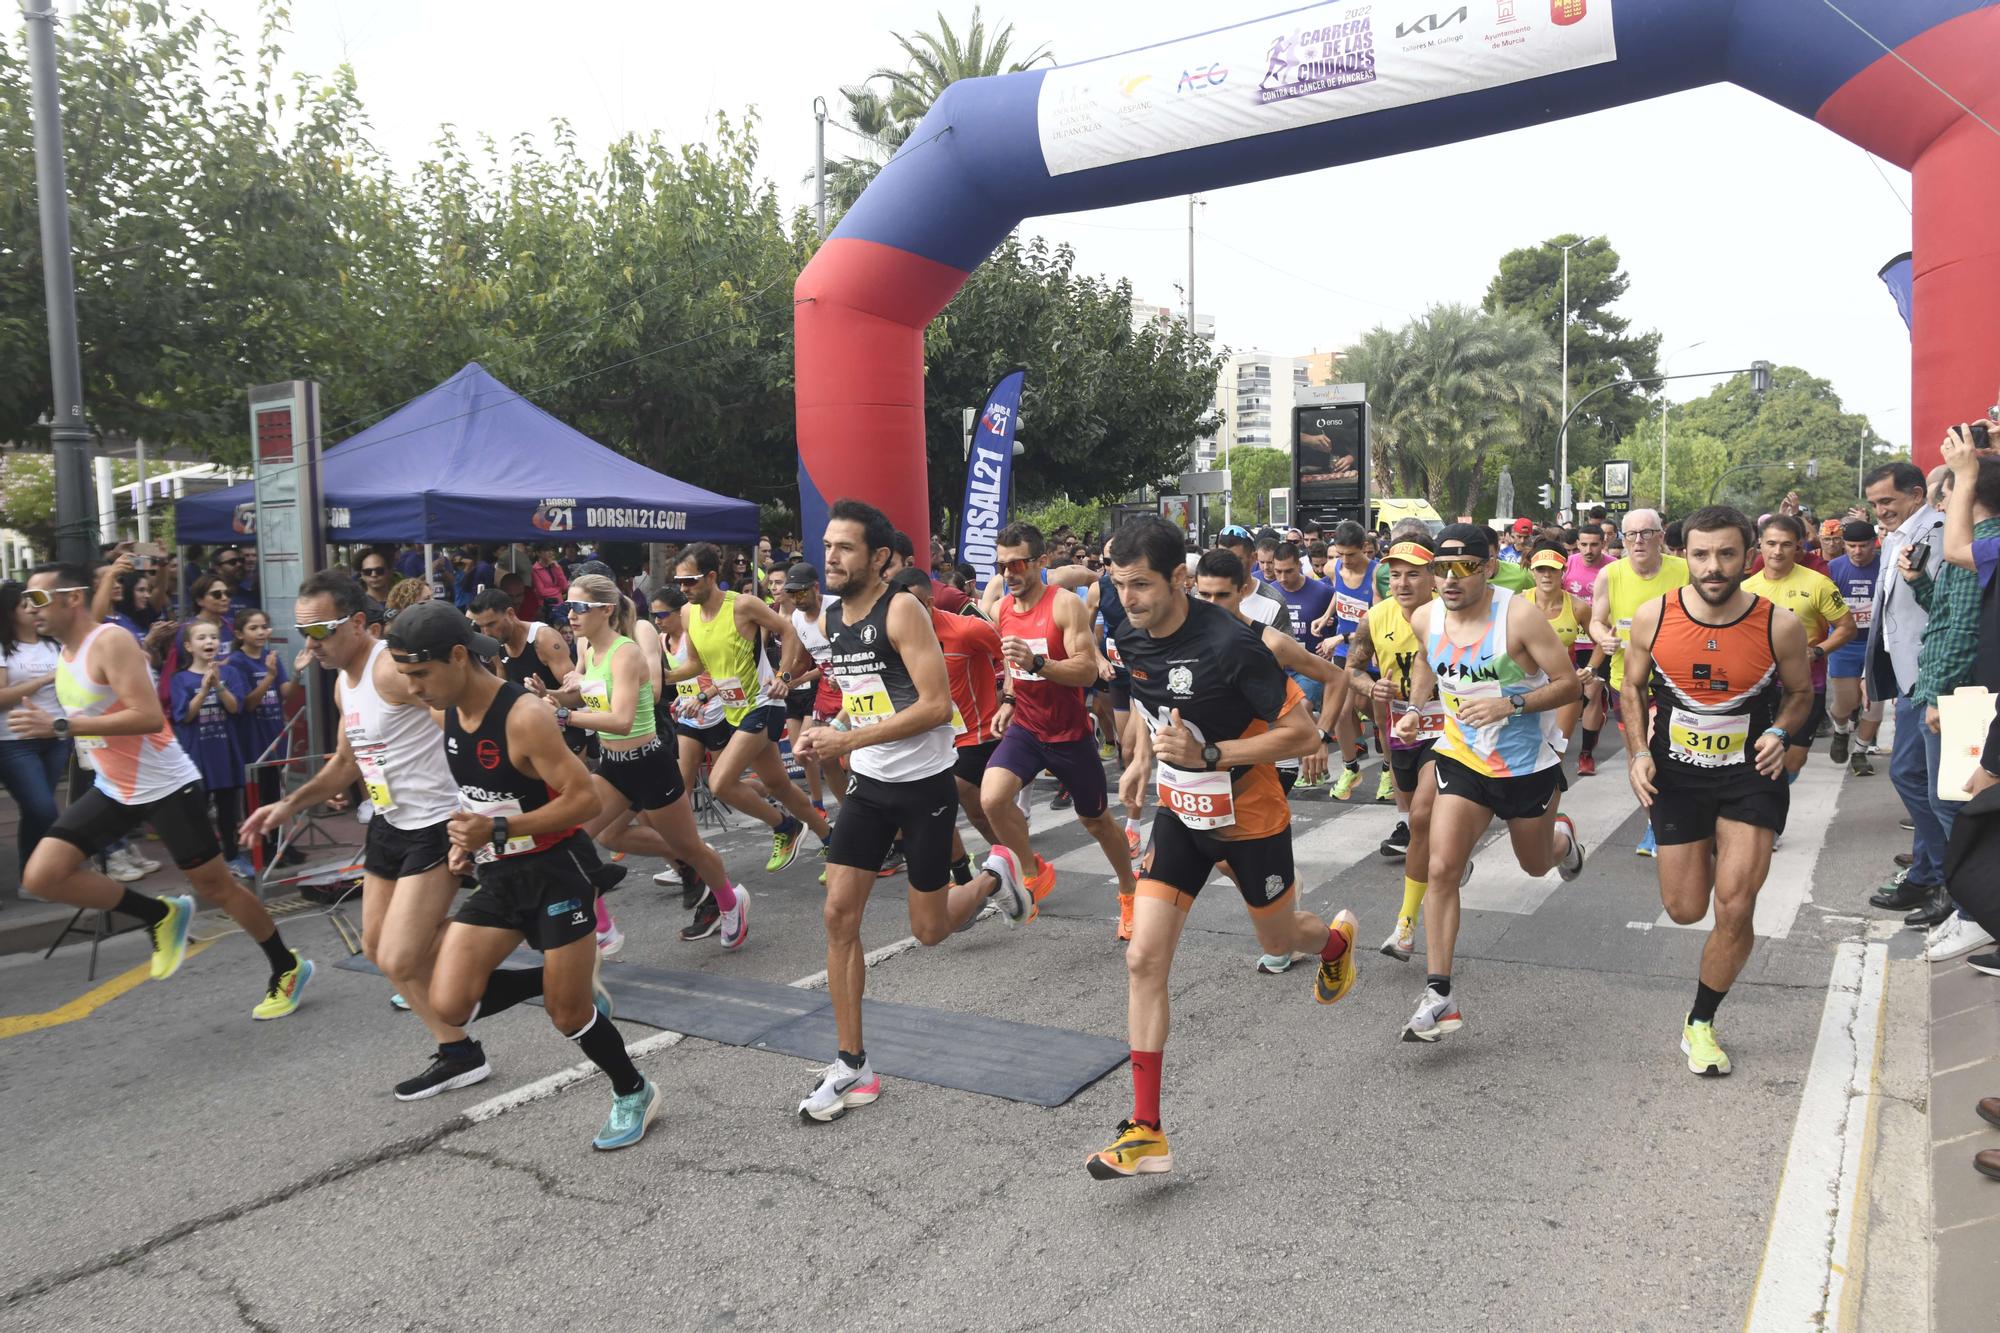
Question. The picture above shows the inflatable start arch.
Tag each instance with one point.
(1349, 80)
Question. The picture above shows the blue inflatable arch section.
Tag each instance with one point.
(1350, 80)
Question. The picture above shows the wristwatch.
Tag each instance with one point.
(499, 834)
(1815, 652)
(1520, 704)
(562, 716)
(1211, 755)
(1780, 733)
(60, 726)
(1036, 663)
(1325, 737)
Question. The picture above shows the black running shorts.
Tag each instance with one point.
(873, 813)
(392, 853)
(1686, 809)
(180, 818)
(1802, 739)
(544, 895)
(1182, 859)
(970, 766)
(712, 738)
(799, 703)
(1408, 766)
(1528, 796)
(648, 776)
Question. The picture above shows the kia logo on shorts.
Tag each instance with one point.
(488, 753)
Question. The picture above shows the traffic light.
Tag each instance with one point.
(1760, 377)
(1548, 496)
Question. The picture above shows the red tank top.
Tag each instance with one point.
(1049, 711)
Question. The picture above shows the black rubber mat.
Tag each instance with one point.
(971, 1052)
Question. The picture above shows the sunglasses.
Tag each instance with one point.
(689, 580)
(580, 608)
(217, 592)
(665, 615)
(1016, 566)
(372, 570)
(1460, 568)
(321, 629)
(41, 597)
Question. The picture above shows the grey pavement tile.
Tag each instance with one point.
(1966, 1291)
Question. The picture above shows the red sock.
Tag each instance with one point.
(1335, 946)
(1146, 1087)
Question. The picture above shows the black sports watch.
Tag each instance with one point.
(1325, 737)
(1211, 755)
(1037, 662)
(60, 726)
(499, 834)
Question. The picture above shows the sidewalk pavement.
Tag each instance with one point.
(1965, 1206)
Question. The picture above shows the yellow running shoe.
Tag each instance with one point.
(283, 997)
(170, 935)
(1344, 785)
(1705, 1057)
(1139, 1150)
(1336, 978)
(1385, 789)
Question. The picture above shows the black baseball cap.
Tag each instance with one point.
(597, 567)
(1858, 530)
(1469, 538)
(800, 577)
(428, 631)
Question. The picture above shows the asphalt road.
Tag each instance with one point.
(172, 1165)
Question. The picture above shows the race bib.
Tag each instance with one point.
(373, 777)
(1200, 800)
(1702, 741)
(1430, 722)
(515, 846)
(1346, 606)
(85, 745)
(1040, 646)
(1111, 651)
(957, 721)
(596, 696)
(730, 690)
(1862, 609)
(1456, 696)
(867, 700)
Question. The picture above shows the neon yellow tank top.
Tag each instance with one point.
(1565, 623)
(1626, 592)
(597, 692)
(730, 659)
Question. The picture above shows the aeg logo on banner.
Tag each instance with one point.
(556, 516)
(1565, 12)
(1202, 78)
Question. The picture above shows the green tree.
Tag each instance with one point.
(1695, 463)
(1448, 395)
(1603, 349)
(933, 62)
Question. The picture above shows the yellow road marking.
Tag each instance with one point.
(88, 1003)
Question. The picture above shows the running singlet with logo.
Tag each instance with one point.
(1351, 602)
(731, 660)
(1227, 685)
(1580, 580)
(687, 691)
(596, 689)
(971, 656)
(1050, 712)
(1715, 691)
(396, 747)
(826, 695)
(1396, 650)
(1856, 586)
(487, 781)
(874, 685)
(528, 665)
(131, 770)
(1627, 592)
(1809, 595)
(1516, 745)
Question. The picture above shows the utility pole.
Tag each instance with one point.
(1192, 201)
(69, 434)
(819, 162)
(1562, 452)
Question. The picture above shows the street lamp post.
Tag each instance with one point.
(1758, 371)
(1562, 451)
(1665, 405)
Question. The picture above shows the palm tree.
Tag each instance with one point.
(886, 118)
(1448, 394)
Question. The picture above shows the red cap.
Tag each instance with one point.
(1522, 525)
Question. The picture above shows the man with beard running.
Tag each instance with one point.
(1715, 686)
(1219, 712)
(111, 711)
(1503, 675)
(1812, 597)
(522, 798)
(896, 696)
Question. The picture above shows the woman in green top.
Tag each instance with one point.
(611, 694)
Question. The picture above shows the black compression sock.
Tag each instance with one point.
(856, 1060)
(149, 910)
(508, 987)
(467, 1048)
(1706, 1002)
(605, 1046)
(1438, 983)
(1590, 738)
(961, 870)
(281, 957)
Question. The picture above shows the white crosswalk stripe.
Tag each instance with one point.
(1597, 805)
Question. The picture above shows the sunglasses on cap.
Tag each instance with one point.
(1457, 566)
(41, 597)
(317, 630)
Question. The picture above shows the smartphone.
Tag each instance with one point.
(1919, 556)
(1981, 436)
(145, 554)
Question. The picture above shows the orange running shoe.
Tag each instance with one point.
(1125, 902)
(1040, 885)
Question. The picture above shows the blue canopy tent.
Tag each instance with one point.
(472, 460)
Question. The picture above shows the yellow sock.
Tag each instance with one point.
(1413, 896)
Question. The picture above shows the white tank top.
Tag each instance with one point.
(400, 751)
(131, 770)
(811, 639)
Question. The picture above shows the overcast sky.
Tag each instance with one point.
(1744, 227)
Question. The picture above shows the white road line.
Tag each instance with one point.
(1596, 805)
(1812, 1227)
(551, 1084)
(1788, 885)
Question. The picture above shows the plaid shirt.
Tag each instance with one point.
(1951, 638)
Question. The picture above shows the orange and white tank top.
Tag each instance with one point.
(132, 770)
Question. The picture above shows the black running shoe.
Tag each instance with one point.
(707, 920)
(1398, 842)
(1062, 799)
(893, 863)
(693, 891)
(1989, 963)
(448, 1070)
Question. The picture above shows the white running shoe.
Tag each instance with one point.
(1571, 864)
(610, 941)
(839, 1088)
(670, 876)
(736, 921)
(1954, 937)
(141, 860)
(1402, 941)
(1011, 899)
(1436, 1015)
(120, 866)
